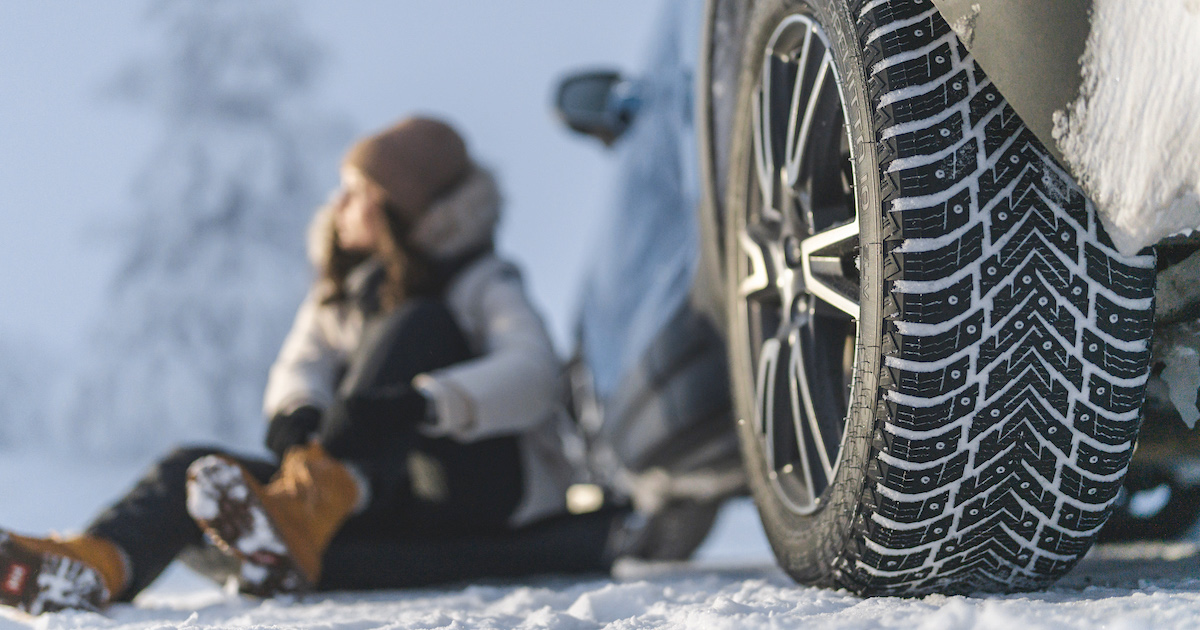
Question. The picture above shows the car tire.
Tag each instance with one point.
(937, 355)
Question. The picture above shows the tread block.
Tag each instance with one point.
(999, 128)
(915, 35)
(899, 562)
(1128, 281)
(888, 12)
(912, 511)
(1085, 489)
(930, 140)
(1027, 364)
(940, 346)
(922, 451)
(915, 72)
(1090, 422)
(1098, 462)
(936, 307)
(1033, 492)
(1064, 543)
(928, 104)
(902, 538)
(953, 168)
(935, 264)
(932, 384)
(1051, 566)
(984, 103)
(935, 415)
(1117, 399)
(999, 173)
(936, 220)
(1071, 518)
(1121, 323)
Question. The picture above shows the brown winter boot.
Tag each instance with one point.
(281, 530)
(48, 574)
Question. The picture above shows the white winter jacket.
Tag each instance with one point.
(514, 386)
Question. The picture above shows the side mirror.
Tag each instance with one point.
(599, 103)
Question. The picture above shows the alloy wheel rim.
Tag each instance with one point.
(798, 284)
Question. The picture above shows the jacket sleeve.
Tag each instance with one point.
(307, 365)
(513, 386)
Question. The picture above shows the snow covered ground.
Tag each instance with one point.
(733, 584)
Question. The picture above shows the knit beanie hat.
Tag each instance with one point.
(415, 161)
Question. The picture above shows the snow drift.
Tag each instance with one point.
(1133, 136)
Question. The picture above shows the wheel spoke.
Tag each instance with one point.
(795, 109)
(764, 159)
(804, 414)
(768, 363)
(760, 279)
(798, 140)
(824, 257)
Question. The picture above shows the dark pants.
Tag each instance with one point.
(439, 509)
(421, 485)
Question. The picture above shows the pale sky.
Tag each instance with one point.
(68, 155)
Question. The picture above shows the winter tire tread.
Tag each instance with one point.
(1019, 336)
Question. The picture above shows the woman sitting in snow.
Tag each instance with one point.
(414, 405)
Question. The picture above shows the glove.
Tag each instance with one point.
(292, 429)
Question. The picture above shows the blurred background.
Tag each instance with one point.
(159, 162)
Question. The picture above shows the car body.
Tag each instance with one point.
(658, 337)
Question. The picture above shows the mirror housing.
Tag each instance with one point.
(598, 103)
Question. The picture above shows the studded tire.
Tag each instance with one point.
(973, 433)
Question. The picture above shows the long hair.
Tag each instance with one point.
(407, 272)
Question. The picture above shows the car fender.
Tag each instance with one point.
(1030, 49)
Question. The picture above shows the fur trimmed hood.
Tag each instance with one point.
(461, 221)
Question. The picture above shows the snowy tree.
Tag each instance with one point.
(213, 261)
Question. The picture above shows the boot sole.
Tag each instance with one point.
(36, 582)
(223, 502)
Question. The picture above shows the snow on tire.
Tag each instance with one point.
(992, 399)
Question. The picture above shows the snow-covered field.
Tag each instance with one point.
(733, 584)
